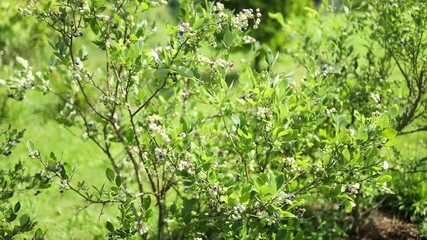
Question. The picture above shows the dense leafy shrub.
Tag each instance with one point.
(200, 157)
(375, 56)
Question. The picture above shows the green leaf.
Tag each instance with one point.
(299, 236)
(212, 176)
(161, 73)
(280, 179)
(11, 217)
(38, 233)
(362, 135)
(118, 181)
(6, 195)
(17, 207)
(245, 197)
(109, 226)
(68, 168)
(286, 214)
(144, 6)
(278, 17)
(242, 134)
(281, 234)
(94, 26)
(384, 178)
(188, 206)
(392, 142)
(185, 72)
(24, 220)
(269, 57)
(146, 202)
(228, 38)
(198, 23)
(346, 154)
(30, 146)
(349, 204)
(389, 133)
(393, 111)
(149, 213)
(110, 174)
(288, 132)
(83, 53)
(267, 92)
(262, 179)
(245, 193)
(267, 192)
(223, 84)
(383, 121)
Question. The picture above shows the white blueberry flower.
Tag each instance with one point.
(248, 39)
(386, 165)
(376, 97)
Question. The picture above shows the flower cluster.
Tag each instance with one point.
(62, 185)
(34, 154)
(248, 39)
(186, 29)
(351, 132)
(238, 211)
(326, 70)
(216, 65)
(376, 113)
(291, 165)
(154, 125)
(141, 227)
(263, 113)
(203, 59)
(330, 111)
(220, 15)
(285, 197)
(270, 218)
(288, 161)
(241, 20)
(376, 97)
(184, 164)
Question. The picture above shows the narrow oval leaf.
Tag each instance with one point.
(346, 154)
(389, 133)
(146, 202)
(118, 181)
(110, 174)
(24, 220)
(384, 178)
(17, 207)
(109, 226)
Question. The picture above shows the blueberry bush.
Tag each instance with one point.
(14, 180)
(375, 55)
(192, 154)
